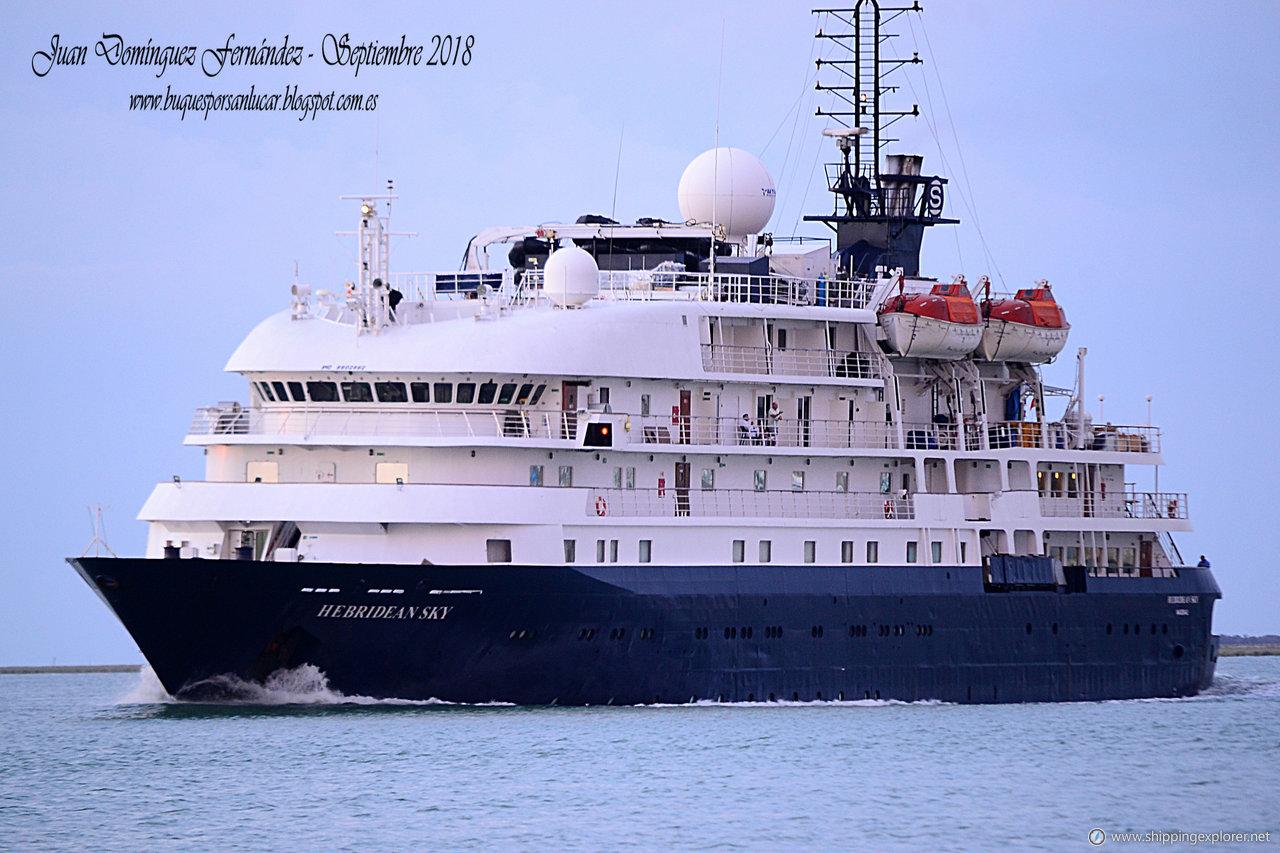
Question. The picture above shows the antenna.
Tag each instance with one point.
(715, 159)
(99, 532)
(617, 170)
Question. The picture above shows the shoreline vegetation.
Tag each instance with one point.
(1230, 646)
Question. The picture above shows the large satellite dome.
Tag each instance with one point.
(728, 187)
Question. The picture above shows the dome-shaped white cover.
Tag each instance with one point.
(571, 276)
(728, 187)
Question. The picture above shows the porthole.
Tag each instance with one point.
(1108, 628)
(1028, 627)
(1177, 651)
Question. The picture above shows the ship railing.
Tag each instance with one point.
(841, 364)
(746, 503)
(665, 284)
(1064, 436)
(460, 284)
(311, 421)
(766, 432)
(1116, 504)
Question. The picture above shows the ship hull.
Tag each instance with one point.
(627, 634)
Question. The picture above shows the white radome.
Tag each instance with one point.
(571, 277)
(729, 187)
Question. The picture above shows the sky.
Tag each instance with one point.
(1124, 152)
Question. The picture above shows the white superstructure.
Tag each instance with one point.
(653, 414)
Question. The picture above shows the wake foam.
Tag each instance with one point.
(302, 685)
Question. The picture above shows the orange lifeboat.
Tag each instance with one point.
(1029, 327)
(943, 323)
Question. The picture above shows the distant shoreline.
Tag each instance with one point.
(1247, 651)
(41, 670)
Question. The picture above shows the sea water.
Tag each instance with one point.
(107, 762)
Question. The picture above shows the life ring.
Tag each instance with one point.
(602, 505)
(888, 509)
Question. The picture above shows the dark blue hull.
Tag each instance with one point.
(633, 634)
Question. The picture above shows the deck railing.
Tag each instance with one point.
(343, 421)
(721, 287)
(1127, 504)
(745, 503)
(724, 358)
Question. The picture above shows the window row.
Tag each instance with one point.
(810, 553)
(483, 394)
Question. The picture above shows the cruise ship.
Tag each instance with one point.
(674, 461)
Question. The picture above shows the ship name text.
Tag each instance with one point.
(390, 611)
(1184, 599)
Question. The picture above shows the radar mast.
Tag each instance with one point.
(881, 210)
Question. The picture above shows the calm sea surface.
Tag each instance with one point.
(102, 762)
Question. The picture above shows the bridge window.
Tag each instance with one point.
(487, 392)
(537, 395)
(466, 392)
(444, 392)
(525, 391)
(296, 390)
(357, 392)
(280, 394)
(322, 392)
(265, 390)
(508, 391)
(390, 392)
(421, 392)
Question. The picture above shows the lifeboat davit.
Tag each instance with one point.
(943, 323)
(1029, 327)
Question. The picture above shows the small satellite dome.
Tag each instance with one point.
(728, 187)
(571, 277)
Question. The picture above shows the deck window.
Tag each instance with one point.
(444, 392)
(508, 391)
(421, 391)
(566, 476)
(913, 548)
(498, 550)
(391, 392)
(708, 478)
(487, 392)
(322, 392)
(846, 551)
(646, 550)
(599, 550)
(357, 392)
(466, 392)
(766, 550)
(810, 551)
(571, 550)
(842, 481)
(739, 550)
(873, 551)
(760, 480)
(613, 550)
(935, 551)
(535, 475)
